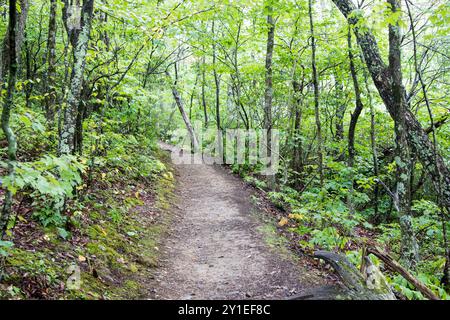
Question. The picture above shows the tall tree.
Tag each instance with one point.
(316, 93)
(204, 104)
(179, 102)
(77, 22)
(410, 250)
(358, 104)
(417, 137)
(220, 149)
(268, 95)
(354, 116)
(10, 63)
(341, 107)
(298, 86)
(51, 63)
(5, 53)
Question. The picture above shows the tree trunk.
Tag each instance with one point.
(220, 140)
(5, 53)
(297, 164)
(418, 139)
(358, 102)
(205, 109)
(316, 94)
(410, 249)
(50, 78)
(373, 142)
(187, 122)
(340, 109)
(78, 26)
(354, 118)
(11, 65)
(268, 95)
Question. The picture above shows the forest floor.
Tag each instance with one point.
(191, 232)
(223, 246)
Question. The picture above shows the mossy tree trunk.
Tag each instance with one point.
(409, 246)
(77, 22)
(340, 109)
(11, 63)
(416, 136)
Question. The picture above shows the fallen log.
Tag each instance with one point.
(370, 285)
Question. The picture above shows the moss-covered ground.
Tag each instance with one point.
(111, 248)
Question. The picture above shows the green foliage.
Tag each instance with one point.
(4, 247)
(127, 105)
(49, 182)
(329, 239)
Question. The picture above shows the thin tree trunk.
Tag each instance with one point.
(409, 250)
(354, 119)
(268, 96)
(316, 94)
(191, 99)
(297, 164)
(220, 140)
(205, 109)
(187, 122)
(373, 141)
(446, 277)
(5, 53)
(12, 65)
(50, 78)
(358, 102)
(340, 110)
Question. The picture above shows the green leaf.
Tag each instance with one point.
(63, 233)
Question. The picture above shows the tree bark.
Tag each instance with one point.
(316, 93)
(5, 53)
(297, 164)
(220, 141)
(354, 118)
(78, 26)
(205, 109)
(410, 249)
(11, 50)
(187, 122)
(373, 142)
(340, 109)
(51, 64)
(268, 95)
(358, 102)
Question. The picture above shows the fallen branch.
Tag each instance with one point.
(396, 267)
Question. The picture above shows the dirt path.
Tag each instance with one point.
(217, 250)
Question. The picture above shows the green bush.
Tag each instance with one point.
(49, 182)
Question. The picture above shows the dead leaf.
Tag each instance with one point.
(283, 222)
